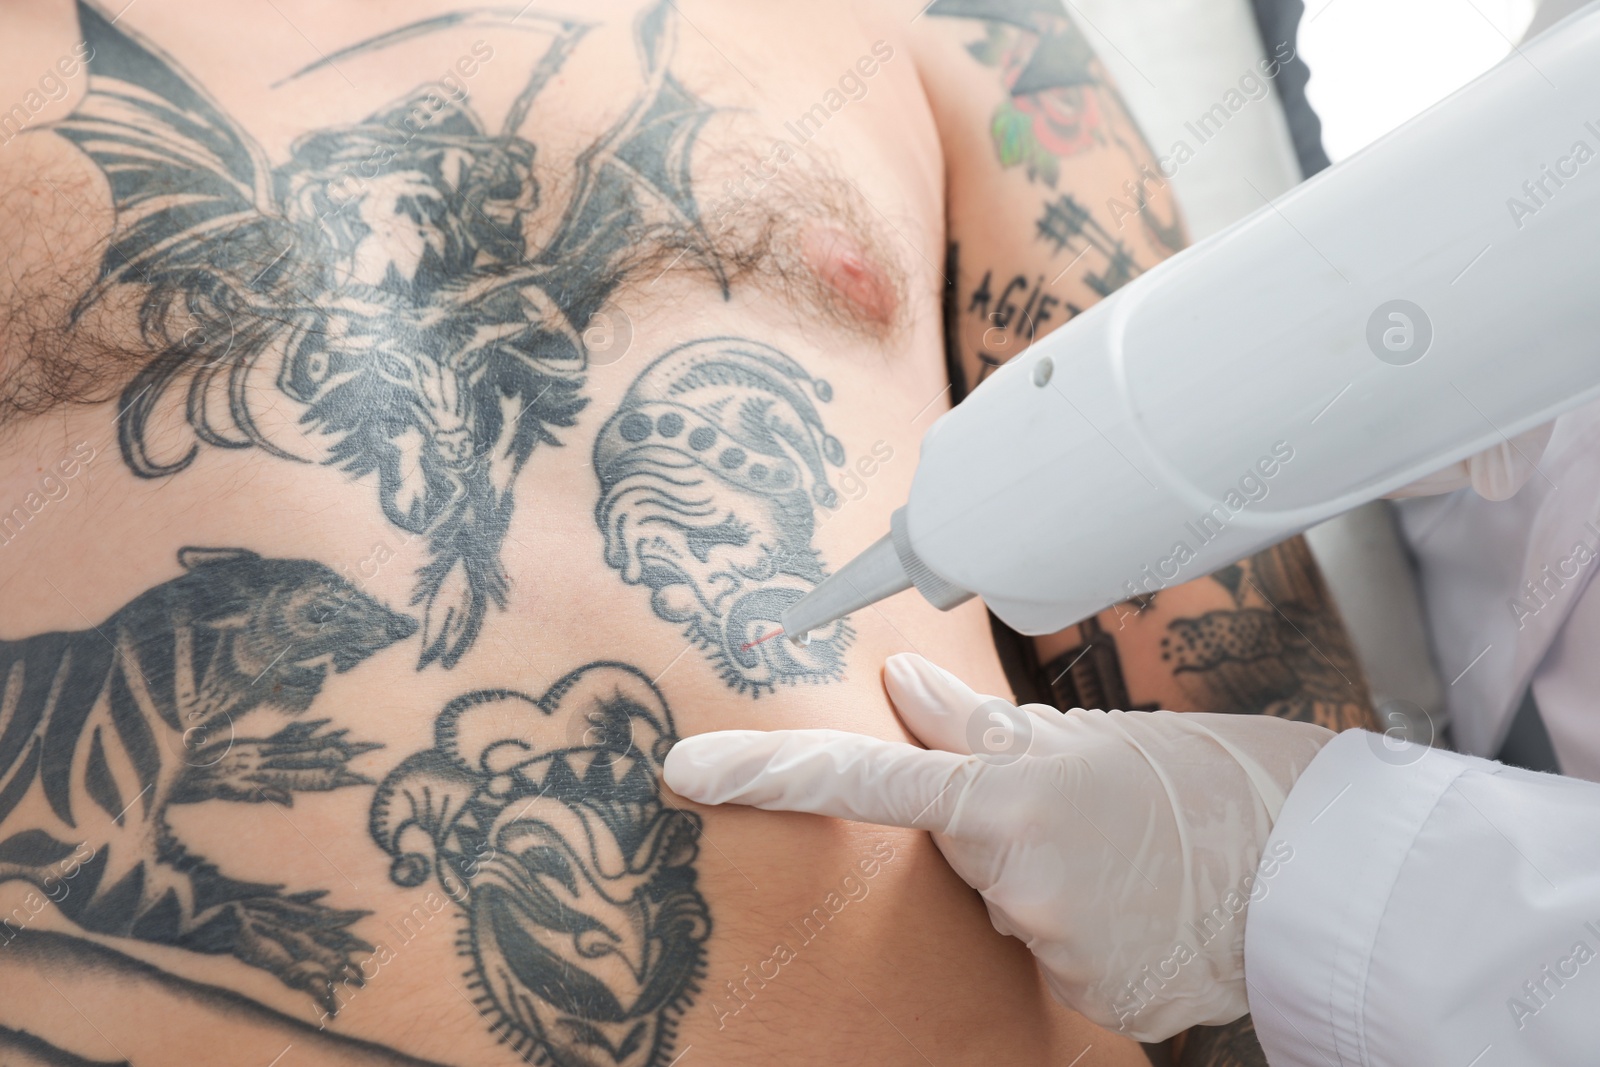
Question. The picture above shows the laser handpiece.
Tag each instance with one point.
(1415, 304)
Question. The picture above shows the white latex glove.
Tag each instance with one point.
(1494, 474)
(1103, 840)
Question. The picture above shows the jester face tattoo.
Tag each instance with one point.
(373, 302)
(709, 472)
(575, 883)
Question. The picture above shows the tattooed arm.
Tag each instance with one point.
(1259, 637)
(1055, 199)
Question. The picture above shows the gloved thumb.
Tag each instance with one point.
(936, 706)
(823, 772)
(1498, 472)
(1495, 473)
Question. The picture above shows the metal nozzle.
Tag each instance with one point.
(887, 567)
(867, 579)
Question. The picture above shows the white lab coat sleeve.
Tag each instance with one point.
(1421, 907)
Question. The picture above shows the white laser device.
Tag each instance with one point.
(1432, 296)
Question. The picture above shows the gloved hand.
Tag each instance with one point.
(1121, 847)
(1494, 474)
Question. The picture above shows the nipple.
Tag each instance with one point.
(850, 273)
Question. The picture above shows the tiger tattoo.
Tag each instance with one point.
(101, 730)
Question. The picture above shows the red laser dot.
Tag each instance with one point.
(748, 645)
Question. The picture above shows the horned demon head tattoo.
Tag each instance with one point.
(374, 302)
(576, 884)
(709, 471)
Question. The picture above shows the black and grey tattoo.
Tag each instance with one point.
(18, 1048)
(1232, 1045)
(161, 1006)
(103, 730)
(1089, 675)
(709, 472)
(1281, 650)
(582, 921)
(1019, 310)
(373, 302)
(1070, 228)
(1021, 302)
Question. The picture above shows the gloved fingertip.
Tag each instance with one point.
(906, 664)
(1499, 472)
(918, 686)
(901, 670)
(703, 768)
(932, 702)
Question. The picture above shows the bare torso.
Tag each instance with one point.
(454, 404)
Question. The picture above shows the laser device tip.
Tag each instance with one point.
(865, 580)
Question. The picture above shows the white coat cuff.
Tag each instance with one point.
(1333, 857)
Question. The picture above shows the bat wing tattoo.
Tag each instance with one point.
(374, 303)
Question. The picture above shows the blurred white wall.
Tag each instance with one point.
(1376, 63)
(1173, 60)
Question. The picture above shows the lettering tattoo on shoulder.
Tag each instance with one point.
(373, 302)
(582, 922)
(709, 471)
(103, 730)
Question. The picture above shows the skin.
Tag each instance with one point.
(830, 267)
(854, 304)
